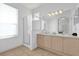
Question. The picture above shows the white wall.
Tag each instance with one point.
(6, 44)
(9, 43)
(53, 26)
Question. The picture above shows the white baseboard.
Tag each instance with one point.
(28, 46)
(11, 48)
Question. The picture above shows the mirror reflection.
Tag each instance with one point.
(66, 23)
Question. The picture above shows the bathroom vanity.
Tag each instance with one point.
(57, 35)
(59, 44)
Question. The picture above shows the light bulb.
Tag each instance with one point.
(49, 14)
(56, 13)
(53, 14)
(60, 11)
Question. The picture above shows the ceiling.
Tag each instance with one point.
(31, 5)
(52, 5)
(36, 5)
(26, 5)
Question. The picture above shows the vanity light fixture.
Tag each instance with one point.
(49, 14)
(55, 13)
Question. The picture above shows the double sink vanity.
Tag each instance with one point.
(59, 44)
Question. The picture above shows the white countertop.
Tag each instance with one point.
(60, 35)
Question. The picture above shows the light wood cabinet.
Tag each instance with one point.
(48, 42)
(41, 41)
(77, 48)
(65, 45)
(69, 45)
(57, 43)
(44, 41)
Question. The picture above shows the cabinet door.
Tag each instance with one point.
(47, 42)
(57, 43)
(40, 41)
(77, 47)
(70, 45)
